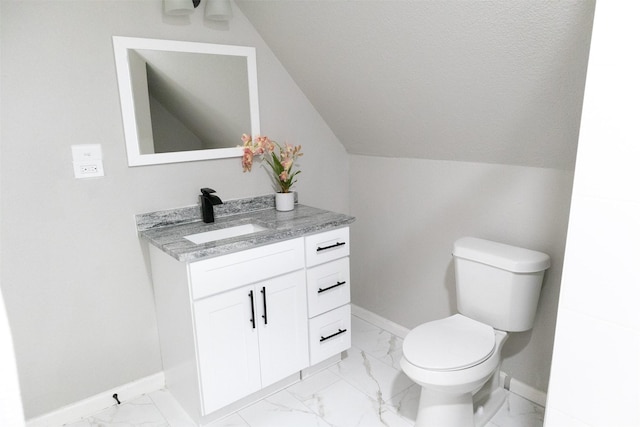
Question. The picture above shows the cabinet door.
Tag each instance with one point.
(228, 352)
(284, 338)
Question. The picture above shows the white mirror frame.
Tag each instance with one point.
(121, 46)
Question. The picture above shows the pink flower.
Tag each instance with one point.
(280, 163)
(269, 146)
(247, 160)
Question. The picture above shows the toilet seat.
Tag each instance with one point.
(449, 344)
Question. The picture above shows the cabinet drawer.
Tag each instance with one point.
(327, 246)
(329, 334)
(328, 286)
(227, 272)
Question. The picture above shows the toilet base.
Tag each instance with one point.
(443, 409)
(438, 409)
(488, 400)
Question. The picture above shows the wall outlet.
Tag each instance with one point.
(88, 169)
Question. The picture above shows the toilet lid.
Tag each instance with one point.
(456, 342)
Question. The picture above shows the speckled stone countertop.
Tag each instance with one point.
(166, 229)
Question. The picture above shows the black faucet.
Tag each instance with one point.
(207, 201)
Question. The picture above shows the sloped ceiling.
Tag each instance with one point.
(483, 81)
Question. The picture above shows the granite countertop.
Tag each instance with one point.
(166, 229)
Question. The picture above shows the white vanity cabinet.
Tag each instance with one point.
(236, 327)
(231, 325)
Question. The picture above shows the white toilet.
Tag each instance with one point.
(456, 360)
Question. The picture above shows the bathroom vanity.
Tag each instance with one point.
(260, 300)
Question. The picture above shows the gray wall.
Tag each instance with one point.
(410, 211)
(78, 294)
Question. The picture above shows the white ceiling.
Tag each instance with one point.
(493, 81)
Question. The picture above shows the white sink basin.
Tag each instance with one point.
(224, 233)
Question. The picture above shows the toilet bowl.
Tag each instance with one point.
(456, 360)
(451, 359)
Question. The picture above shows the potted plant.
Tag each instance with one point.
(281, 163)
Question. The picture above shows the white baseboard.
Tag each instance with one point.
(512, 384)
(525, 390)
(98, 402)
(379, 321)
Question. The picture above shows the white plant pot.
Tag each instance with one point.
(284, 201)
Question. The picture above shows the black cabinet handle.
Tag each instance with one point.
(340, 331)
(253, 312)
(264, 302)
(321, 248)
(321, 290)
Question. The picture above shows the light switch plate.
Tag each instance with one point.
(87, 160)
(86, 152)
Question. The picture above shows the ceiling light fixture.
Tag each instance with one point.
(215, 10)
(179, 7)
(218, 10)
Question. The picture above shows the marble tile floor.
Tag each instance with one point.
(366, 389)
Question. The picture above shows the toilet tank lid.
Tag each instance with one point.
(500, 255)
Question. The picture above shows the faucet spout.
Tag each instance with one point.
(207, 201)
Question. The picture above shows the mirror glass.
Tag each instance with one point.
(185, 101)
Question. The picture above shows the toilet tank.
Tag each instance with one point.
(498, 284)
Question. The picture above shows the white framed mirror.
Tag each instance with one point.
(185, 101)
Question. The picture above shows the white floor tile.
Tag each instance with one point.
(405, 403)
(82, 423)
(138, 412)
(378, 380)
(281, 410)
(233, 420)
(376, 342)
(171, 409)
(519, 412)
(365, 389)
(308, 387)
(342, 405)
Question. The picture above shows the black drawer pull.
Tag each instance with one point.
(253, 312)
(320, 248)
(340, 331)
(320, 290)
(264, 304)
